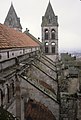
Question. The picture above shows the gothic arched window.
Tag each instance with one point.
(46, 47)
(46, 34)
(52, 34)
(53, 47)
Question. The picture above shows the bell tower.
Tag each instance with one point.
(49, 28)
(12, 20)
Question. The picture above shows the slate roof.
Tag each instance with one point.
(12, 20)
(49, 10)
(10, 38)
(49, 17)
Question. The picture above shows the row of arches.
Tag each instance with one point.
(7, 93)
(52, 43)
(46, 34)
(52, 47)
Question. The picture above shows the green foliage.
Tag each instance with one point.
(67, 57)
(5, 115)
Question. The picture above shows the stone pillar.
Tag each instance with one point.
(8, 93)
(1, 97)
(6, 96)
(18, 98)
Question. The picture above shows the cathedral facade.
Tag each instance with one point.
(23, 51)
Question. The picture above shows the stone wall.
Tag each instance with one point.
(28, 91)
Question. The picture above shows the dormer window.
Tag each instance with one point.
(46, 34)
(52, 34)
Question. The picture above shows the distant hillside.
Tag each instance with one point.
(78, 55)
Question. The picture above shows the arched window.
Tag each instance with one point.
(46, 34)
(46, 47)
(53, 47)
(52, 34)
(46, 43)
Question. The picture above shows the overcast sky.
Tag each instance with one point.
(31, 12)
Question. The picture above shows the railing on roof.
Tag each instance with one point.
(19, 59)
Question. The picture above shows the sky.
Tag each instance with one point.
(31, 12)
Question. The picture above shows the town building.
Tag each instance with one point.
(17, 47)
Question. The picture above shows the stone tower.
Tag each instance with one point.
(12, 20)
(50, 33)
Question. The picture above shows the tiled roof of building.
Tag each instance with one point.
(34, 38)
(10, 38)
